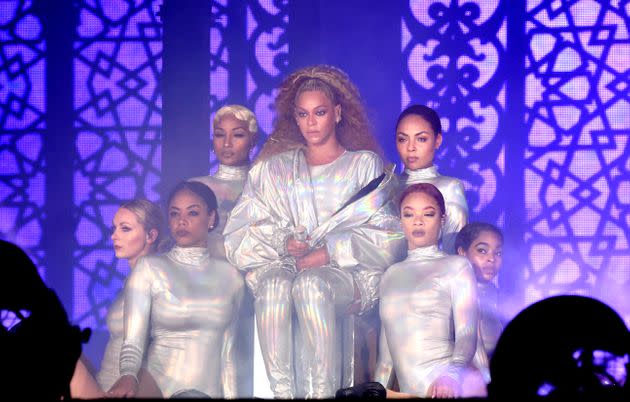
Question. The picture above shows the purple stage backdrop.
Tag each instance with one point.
(534, 97)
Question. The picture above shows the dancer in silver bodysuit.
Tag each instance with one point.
(181, 308)
(137, 231)
(482, 244)
(235, 130)
(418, 136)
(428, 306)
(307, 247)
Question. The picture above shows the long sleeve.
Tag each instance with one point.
(228, 355)
(255, 236)
(280, 194)
(465, 318)
(456, 216)
(136, 318)
(480, 360)
(342, 245)
(369, 249)
(384, 365)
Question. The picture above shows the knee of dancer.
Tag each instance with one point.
(310, 286)
(276, 287)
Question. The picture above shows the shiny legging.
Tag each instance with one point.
(317, 296)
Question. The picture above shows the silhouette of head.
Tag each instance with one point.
(40, 351)
(562, 347)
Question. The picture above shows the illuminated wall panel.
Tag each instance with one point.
(454, 61)
(118, 122)
(22, 125)
(577, 178)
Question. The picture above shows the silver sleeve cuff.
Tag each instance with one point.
(278, 240)
(130, 360)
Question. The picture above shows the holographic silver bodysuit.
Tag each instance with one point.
(227, 185)
(109, 372)
(429, 319)
(180, 312)
(490, 325)
(454, 197)
(362, 239)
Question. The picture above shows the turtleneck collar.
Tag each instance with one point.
(422, 174)
(424, 253)
(188, 255)
(231, 173)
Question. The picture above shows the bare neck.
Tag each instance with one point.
(324, 153)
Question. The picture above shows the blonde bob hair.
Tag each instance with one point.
(240, 113)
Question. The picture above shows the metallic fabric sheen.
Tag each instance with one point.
(362, 239)
(490, 324)
(180, 314)
(227, 184)
(429, 320)
(109, 372)
(454, 198)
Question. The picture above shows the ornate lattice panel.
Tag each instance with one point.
(577, 177)
(118, 120)
(219, 63)
(22, 124)
(454, 55)
(268, 57)
(263, 39)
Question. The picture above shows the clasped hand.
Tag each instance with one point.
(305, 256)
(125, 387)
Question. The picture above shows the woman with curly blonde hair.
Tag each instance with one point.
(314, 229)
(137, 231)
(353, 130)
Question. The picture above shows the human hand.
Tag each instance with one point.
(444, 387)
(125, 387)
(313, 259)
(297, 248)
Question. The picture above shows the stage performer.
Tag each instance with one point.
(181, 308)
(314, 229)
(235, 130)
(482, 244)
(428, 308)
(418, 136)
(137, 231)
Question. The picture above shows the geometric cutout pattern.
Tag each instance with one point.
(118, 117)
(267, 50)
(577, 161)
(454, 57)
(576, 183)
(22, 125)
(268, 58)
(219, 64)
